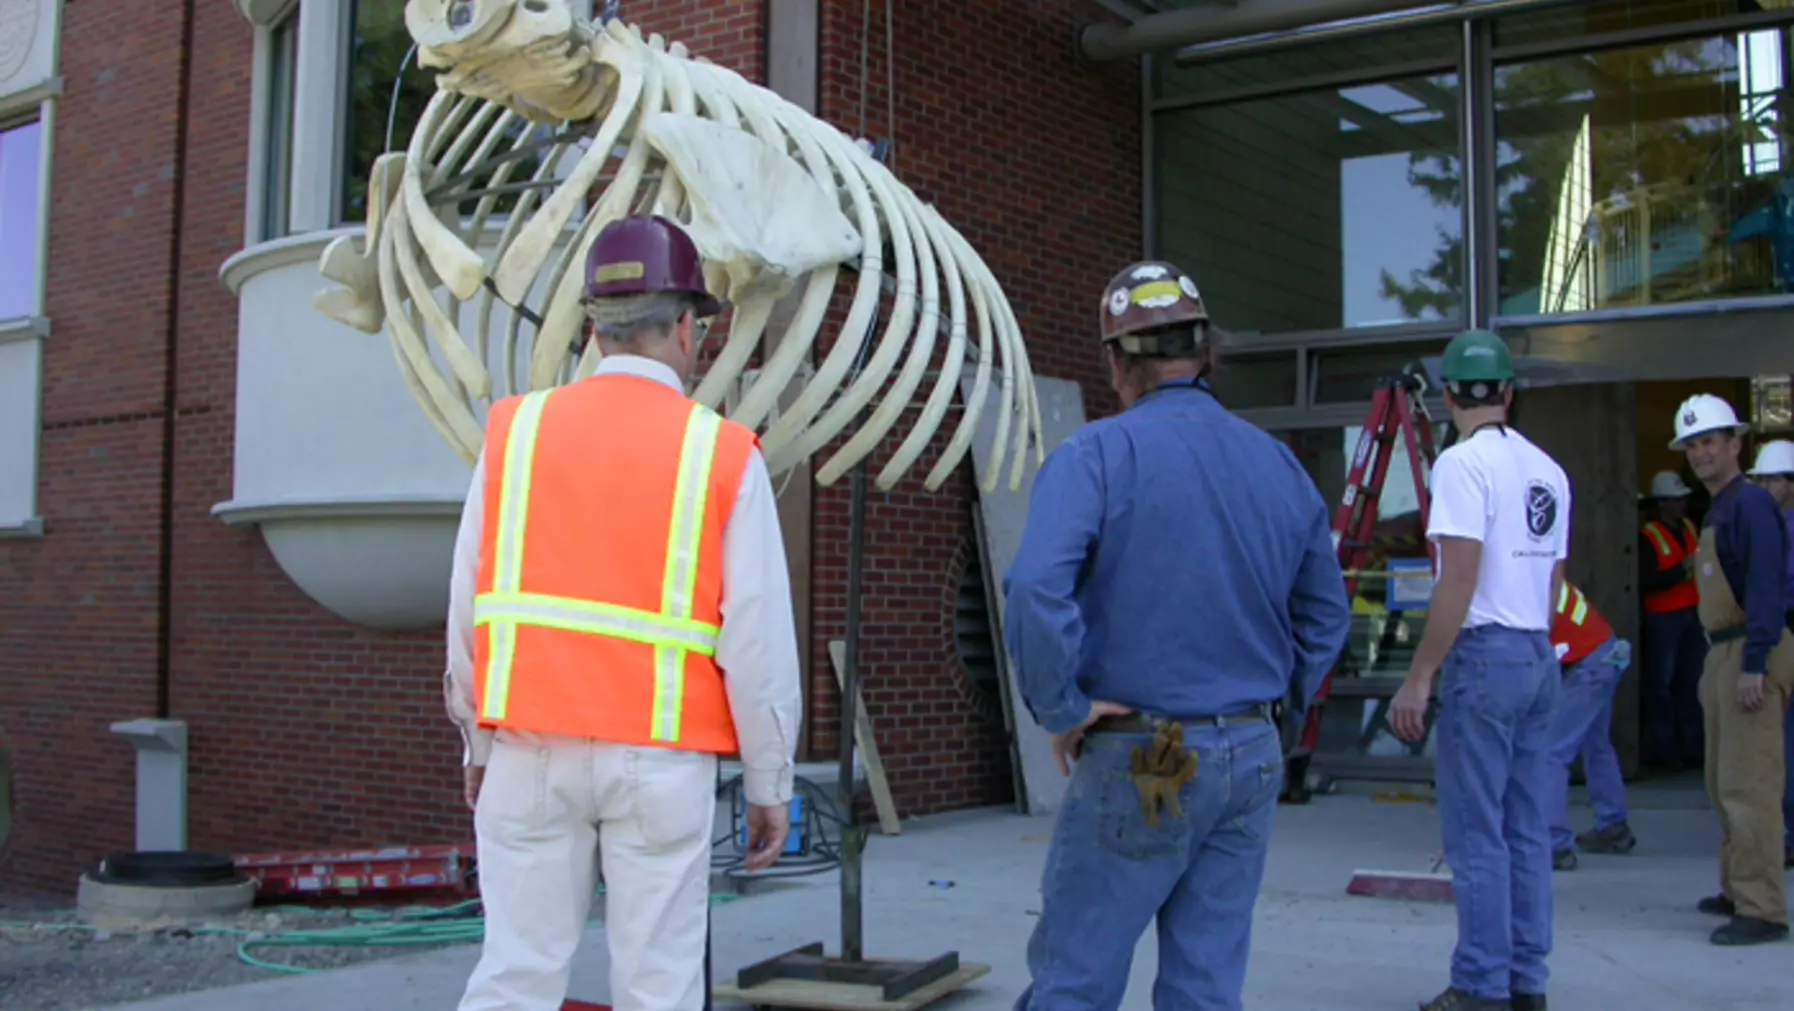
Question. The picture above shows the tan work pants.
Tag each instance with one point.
(548, 804)
(1745, 778)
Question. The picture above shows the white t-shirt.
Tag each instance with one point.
(1498, 488)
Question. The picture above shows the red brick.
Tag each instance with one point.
(309, 732)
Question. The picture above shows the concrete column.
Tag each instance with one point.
(1588, 429)
(161, 782)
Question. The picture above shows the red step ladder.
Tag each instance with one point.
(1397, 408)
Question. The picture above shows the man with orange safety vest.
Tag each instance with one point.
(1593, 659)
(1674, 647)
(619, 616)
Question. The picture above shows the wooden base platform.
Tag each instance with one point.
(814, 994)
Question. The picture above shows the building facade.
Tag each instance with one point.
(223, 507)
(1605, 184)
(220, 506)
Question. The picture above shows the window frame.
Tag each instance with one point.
(37, 105)
(320, 93)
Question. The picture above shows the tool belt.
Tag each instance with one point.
(1161, 767)
(1732, 634)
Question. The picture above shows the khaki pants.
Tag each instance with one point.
(546, 807)
(1745, 778)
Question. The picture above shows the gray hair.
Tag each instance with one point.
(629, 319)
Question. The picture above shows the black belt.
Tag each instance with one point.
(1732, 634)
(1136, 723)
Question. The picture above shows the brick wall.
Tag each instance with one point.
(309, 732)
(306, 731)
(1036, 161)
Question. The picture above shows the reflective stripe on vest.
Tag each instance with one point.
(1655, 533)
(672, 631)
(1580, 613)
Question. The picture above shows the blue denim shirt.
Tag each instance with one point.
(1176, 560)
(1751, 542)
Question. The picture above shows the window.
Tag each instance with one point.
(1244, 380)
(283, 79)
(378, 47)
(1650, 175)
(21, 281)
(1323, 210)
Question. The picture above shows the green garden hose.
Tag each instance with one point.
(408, 927)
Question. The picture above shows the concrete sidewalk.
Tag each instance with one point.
(1627, 935)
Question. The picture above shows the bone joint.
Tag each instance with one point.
(580, 125)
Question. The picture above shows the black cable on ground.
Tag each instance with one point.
(820, 828)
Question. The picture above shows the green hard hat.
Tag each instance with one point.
(1477, 356)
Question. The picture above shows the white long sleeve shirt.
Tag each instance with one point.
(756, 648)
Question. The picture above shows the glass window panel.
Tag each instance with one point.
(1644, 176)
(1350, 375)
(283, 51)
(21, 210)
(1317, 211)
(1287, 67)
(1771, 406)
(376, 50)
(1243, 381)
(1567, 21)
(1382, 639)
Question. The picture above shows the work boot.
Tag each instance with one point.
(1454, 999)
(1717, 905)
(1563, 860)
(1613, 839)
(1527, 1002)
(1749, 930)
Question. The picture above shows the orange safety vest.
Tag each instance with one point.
(1577, 629)
(598, 603)
(1672, 551)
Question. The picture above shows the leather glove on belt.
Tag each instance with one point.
(1160, 769)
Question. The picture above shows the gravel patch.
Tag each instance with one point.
(49, 962)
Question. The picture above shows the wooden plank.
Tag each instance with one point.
(867, 744)
(803, 993)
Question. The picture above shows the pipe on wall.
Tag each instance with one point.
(1234, 28)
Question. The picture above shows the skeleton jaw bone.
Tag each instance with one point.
(774, 198)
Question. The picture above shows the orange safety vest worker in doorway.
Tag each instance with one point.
(1672, 646)
(620, 616)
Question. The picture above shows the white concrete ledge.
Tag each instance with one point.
(377, 562)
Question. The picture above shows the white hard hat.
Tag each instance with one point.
(1669, 484)
(1774, 458)
(1703, 413)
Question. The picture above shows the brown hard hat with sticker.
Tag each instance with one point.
(1154, 308)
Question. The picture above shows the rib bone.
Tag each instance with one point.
(559, 127)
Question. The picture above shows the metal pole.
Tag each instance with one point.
(853, 837)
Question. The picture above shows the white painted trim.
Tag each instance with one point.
(18, 105)
(24, 328)
(319, 88)
(263, 13)
(255, 193)
(23, 530)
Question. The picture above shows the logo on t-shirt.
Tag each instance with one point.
(1541, 510)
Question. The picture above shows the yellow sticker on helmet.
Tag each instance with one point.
(1157, 294)
(627, 270)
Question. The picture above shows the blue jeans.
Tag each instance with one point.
(1494, 776)
(1674, 649)
(1109, 874)
(1582, 724)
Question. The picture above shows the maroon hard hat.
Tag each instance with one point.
(1150, 296)
(643, 255)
